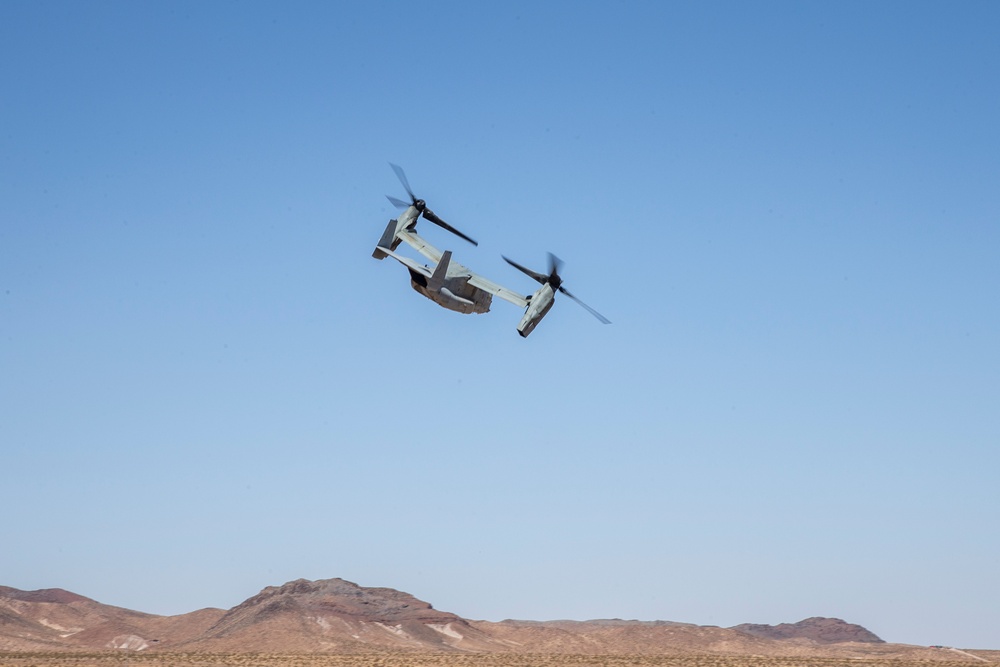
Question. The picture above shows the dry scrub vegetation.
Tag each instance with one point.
(170, 659)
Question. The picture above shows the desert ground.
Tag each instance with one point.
(172, 659)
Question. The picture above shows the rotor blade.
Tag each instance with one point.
(399, 203)
(402, 179)
(430, 215)
(589, 309)
(534, 274)
(555, 264)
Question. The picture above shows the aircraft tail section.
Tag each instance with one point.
(437, 278)
(388, 240)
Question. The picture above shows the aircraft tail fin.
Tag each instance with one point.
(388, 240)
(440, 271)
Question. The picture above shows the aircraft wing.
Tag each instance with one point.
(432, 253)
(486, 285)
(413, 240)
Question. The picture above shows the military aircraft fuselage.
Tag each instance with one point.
(454, 293)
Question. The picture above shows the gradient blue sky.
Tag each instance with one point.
(790, 211)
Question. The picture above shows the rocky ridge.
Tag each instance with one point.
(337, 616)
(821, 630)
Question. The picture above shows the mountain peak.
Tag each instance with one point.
(817, 628)
(345, 599)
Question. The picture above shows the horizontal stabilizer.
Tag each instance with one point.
(407, 262)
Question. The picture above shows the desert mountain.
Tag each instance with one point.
(821, 630)
(337, 616)
(334, 615)
(54, 619)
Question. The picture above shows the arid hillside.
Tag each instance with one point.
(176, 659)
(54, 619)
(822, 630)
(334, 616)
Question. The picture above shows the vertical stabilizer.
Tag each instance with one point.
(388, 240)
(437, 278)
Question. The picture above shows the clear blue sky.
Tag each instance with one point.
(789, 210)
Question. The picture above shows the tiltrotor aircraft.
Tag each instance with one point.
(453, 286)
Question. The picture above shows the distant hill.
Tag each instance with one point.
(54, 619)
(821, 630)
(337, 616)
(334, 615)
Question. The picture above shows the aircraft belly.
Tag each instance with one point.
(479, 299)
(457, 296)
(463, 302)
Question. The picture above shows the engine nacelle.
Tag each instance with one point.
(540, 304)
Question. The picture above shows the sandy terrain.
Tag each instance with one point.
(172, 659)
